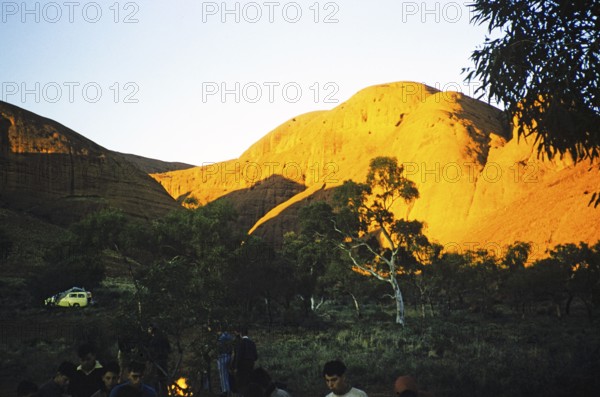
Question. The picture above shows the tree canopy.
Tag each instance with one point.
(545, 69)
(365, 210)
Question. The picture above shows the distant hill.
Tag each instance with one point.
(53, 173)
(480, 187)
(153, 166)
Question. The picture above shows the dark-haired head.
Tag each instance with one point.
(334, 367)
(85, 349)
(67, 369)
(111, 366)
(136, 366)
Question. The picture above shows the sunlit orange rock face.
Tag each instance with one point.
(51, 171)
(479, 186)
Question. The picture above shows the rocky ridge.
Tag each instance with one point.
(479, 186)
(52, 172)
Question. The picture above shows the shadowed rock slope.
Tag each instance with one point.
(480, 187)
(53, 173)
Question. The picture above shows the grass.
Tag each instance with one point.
(463, 354)
(452, 355)
(31, 238)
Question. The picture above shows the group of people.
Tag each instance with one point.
(122, 378)
(236, 358)
(91, 379)
(334, 375)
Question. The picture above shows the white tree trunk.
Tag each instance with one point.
(314, 306)
(356, 305)
(399, 300)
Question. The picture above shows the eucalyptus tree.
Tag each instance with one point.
(377, 242)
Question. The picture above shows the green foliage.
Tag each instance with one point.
(175, 294)
(470, 342)
(101, 230)
(448, 279)
(199, 234)
(568, 277)
(259, 277)
(78, 260)
(570, 273)
(316, 220)
(179, 268)
(191, 202)
(307, 260)
(310, 252)
(192, 252)
(448, 356)
(191, 269)
(349, 200)
(375, 242)
(388, 183)
(65, 271)
(516, 255)
(544, 68)
(581, 273)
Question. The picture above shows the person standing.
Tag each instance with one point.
(159, 349)
(129, 345)
(245, 355)
(88, 378)
(334, 373)
(224, 353)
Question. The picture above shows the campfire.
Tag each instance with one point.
(180, 388)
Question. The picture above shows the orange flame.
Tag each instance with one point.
(180, 388)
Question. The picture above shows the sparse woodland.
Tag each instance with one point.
(473, 321)
(351, 280)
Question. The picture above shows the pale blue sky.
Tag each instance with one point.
(156, 73)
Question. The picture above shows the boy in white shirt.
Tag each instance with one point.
(335, 378)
